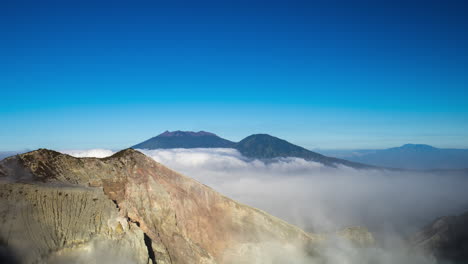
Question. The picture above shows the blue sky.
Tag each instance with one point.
(322, 74)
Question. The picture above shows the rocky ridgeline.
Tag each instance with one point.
(130, 209)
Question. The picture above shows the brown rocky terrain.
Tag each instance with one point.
(127, 208)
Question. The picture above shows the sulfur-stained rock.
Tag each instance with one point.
(47, 224)
(358, 236)
(127, 208)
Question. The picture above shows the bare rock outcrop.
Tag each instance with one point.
(52, 224)
(446, 239)
(127, 208)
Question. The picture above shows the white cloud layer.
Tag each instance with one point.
(314, 196)
(89, 153)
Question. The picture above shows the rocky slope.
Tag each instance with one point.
(130, 209)
(446, 239)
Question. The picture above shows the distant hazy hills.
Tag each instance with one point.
(258, 146)
(409, 156)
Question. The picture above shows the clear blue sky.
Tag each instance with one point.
(322, 74)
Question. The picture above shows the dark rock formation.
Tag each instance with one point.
(446, 239)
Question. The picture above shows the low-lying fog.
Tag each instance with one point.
(391, 204)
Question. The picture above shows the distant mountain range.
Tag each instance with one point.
(408, 156)
(258, 146)
(264, 146)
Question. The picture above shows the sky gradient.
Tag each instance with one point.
(322, 74)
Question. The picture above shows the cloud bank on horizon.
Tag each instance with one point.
(89, 153)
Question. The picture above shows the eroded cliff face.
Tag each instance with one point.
(130, 209)
(50, 224)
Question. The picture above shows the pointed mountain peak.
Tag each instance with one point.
(262, 136)
(42, 152)
(128, 152)
(266, 146)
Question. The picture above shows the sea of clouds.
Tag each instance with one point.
(317, 198)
